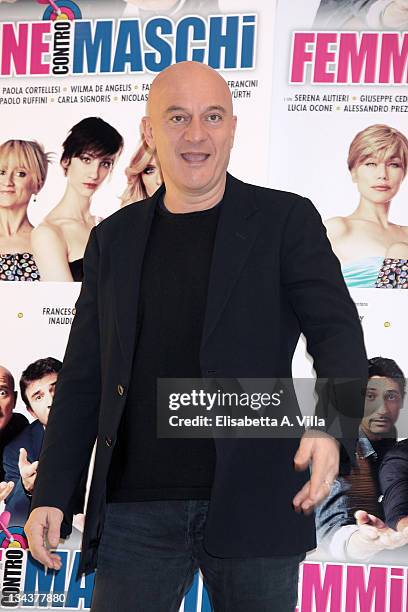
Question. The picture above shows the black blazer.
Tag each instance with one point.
(273, 275)
(18, 502)
(394, 483)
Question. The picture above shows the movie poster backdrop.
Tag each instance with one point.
(339, 124)
(306, 78)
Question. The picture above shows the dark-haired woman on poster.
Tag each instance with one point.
(59, 242)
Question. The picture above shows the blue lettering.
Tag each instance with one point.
(79, 589)
(92, 47)
(37, 581)
(197, 25)
(248, 41)
(227, 40)
(128, 48)
(156, 41)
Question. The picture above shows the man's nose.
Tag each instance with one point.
(382, 408)
(195, 131)
(50, 398)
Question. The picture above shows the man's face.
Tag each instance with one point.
(192, 127)
(382, 406)
(7, 397)
(40, 394)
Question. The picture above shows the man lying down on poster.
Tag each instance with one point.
(351, 523)
(361, 14)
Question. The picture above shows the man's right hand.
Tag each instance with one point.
(373, 536)
(44, 524)
(28, 471)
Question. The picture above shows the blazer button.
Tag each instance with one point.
(121, 390)
(108, 441)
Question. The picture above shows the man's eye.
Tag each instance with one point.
(214, 118)
(392, 396)
(370, 395)
(178, 119)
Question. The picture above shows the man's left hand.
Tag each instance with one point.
(321, 451)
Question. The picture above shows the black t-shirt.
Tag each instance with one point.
(170, 320)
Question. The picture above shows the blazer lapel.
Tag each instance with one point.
(236, 233)
(127, 254)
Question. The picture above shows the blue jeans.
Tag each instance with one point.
(150, 551)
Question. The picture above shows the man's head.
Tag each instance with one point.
(191, 125)
(384, 397)
(8, 397)
(37, 386)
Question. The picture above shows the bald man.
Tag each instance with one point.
(11, 423)
(210, 277)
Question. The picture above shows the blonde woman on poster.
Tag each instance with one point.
(372, 250)
(88, 156)
(143, 176)
(23, 170)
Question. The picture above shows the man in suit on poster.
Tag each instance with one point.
(20, 458)
(11, 423)
(208, 277)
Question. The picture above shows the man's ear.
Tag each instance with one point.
(234, 128)
(148, 132)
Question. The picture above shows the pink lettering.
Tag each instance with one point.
(323, 57)
(39, 47)
(300, 55)
(14, 48)
(360, 596)
(353, 58)
(393, 56)
(318, 597)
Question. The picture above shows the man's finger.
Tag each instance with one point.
(5, 489)
(29, 469)
(369, 533)
(54, 534)
(303, 455)
(38, 549)
(22, 458)
(361, 517)
(301, 496)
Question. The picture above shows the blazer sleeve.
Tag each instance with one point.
(327, 316)
(17, 503)
(394, 484)
(73, 421)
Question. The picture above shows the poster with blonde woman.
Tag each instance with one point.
(23, 171)
(372, 250)
(143, 175)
